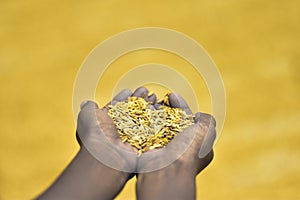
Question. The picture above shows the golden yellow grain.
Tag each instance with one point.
(147, 129)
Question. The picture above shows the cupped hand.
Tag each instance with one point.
(200, 150)
(98, 134)
(169, 172)
(191, 149)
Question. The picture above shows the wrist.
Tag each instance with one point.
(172, 182)
(108, 181)
(171, 172)
(86, 178)
(102, 168)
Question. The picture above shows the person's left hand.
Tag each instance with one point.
(98, 134)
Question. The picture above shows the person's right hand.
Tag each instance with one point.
(199, 153)
(190, 149)
(170, 172)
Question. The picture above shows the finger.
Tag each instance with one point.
(207, 145)
(197, 117)
(157, 105)
(88, 104)
(86, 118)
(152, 98)
(78, 138)
(204, 161)
(176, 101)
(152, 101)
(141, 92)
(205, 119)
(151, 107)
(121, 96)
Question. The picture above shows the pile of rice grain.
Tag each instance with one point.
(147, 129)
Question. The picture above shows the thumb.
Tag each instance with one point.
(87, 117)
(88, 104)
(208, 122)
(176, 101)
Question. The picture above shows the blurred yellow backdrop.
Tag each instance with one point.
(254, 43)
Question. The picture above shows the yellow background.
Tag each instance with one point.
(254, 43)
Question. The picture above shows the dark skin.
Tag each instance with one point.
(87, 178)
(177, 181)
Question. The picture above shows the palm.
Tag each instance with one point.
(201, 134)
(110, 131)
(201, 145)
(97, 132)
(187, 147)
(103, 140)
